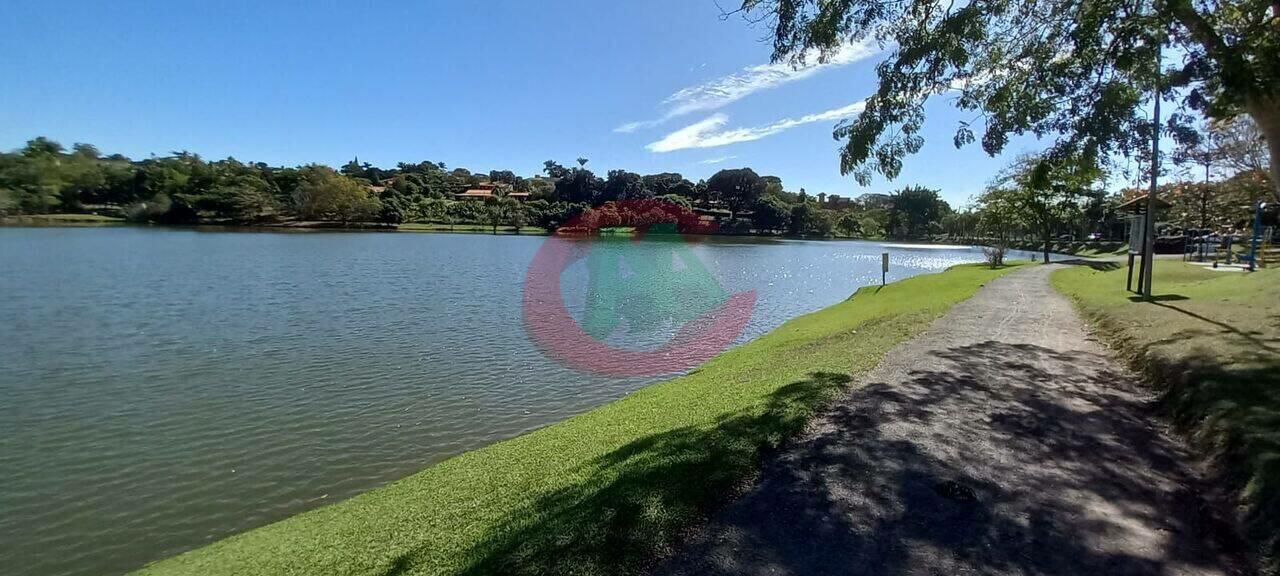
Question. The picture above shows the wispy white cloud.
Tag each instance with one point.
(630, 127)
(719, 92)
(716, 160)
(710, 133)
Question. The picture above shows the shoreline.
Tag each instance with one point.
(1085, 249)
(1094, 249)
(547, 498)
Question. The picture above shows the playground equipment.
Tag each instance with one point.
(1258, 244)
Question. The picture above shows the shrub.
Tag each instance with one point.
(994, 254)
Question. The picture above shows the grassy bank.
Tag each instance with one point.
(606, 491)
(471, 228)
(1087, 249)
(59, 219)
(94, 219)
(1211, 342)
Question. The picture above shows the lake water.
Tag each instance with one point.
(164, 388)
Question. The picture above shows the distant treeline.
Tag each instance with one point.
(43, 177)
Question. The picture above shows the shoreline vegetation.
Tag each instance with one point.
(1209, 343)
(44, 183)
(1091, 249)
(608, 490)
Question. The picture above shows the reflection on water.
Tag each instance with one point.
(165, 388)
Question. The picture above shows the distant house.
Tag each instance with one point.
(875, 200)
(382, 185)
(488, 190)
(836, 201)
(477, 192)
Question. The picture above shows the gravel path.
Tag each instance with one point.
(1003, 440)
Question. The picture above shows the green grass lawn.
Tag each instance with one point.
(1211, 342)
(606, 491)
(1090, 249)
(477, 228)
(60, 218)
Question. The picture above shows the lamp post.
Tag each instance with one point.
(1257, 234)
(1149, 229)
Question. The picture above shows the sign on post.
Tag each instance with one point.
(884, 266)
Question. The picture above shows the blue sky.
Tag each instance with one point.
(646, 86)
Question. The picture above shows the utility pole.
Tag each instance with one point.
(1149, 231)
(1204, 198)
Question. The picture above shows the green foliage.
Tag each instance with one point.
(849, 224)
(771, 214)
(807, 219)
(871, 227)
(677, 199)
(914, 209)
(327, 195)
(737, 189)
(1216, 205)
(577, 185)
(43, 178)
(1081, 72)
(623, 185)
(517, 219)
(243, 203)
(1037, 193)
(669, 183)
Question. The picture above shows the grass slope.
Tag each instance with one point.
(476, 228)
(606, 491)
(60, 219)
(1211, 342)
(1088, 249)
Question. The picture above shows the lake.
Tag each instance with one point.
(165, 388)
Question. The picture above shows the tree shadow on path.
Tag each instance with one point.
(991, 458)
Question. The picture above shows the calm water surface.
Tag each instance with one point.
(161, 389)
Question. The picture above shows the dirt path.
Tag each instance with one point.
(1001, 441)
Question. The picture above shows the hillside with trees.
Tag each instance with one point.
(1035, 202)
(44, 178)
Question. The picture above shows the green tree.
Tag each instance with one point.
(517, 219)
(540, 188)
(872, 222)
(87, 151)
(807, 219)
(623, 185)
(1083, 71)
(1043, 192)
(771, 214)
(914, 208)
(849, 224)
(669, 183)
(498, 211)
(576, 185)
(1000, 215)
(323, 194)
(41, 146)
(677, 199)
(737, 188)
(244, 203)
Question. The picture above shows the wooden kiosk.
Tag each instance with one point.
(1135, 212)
